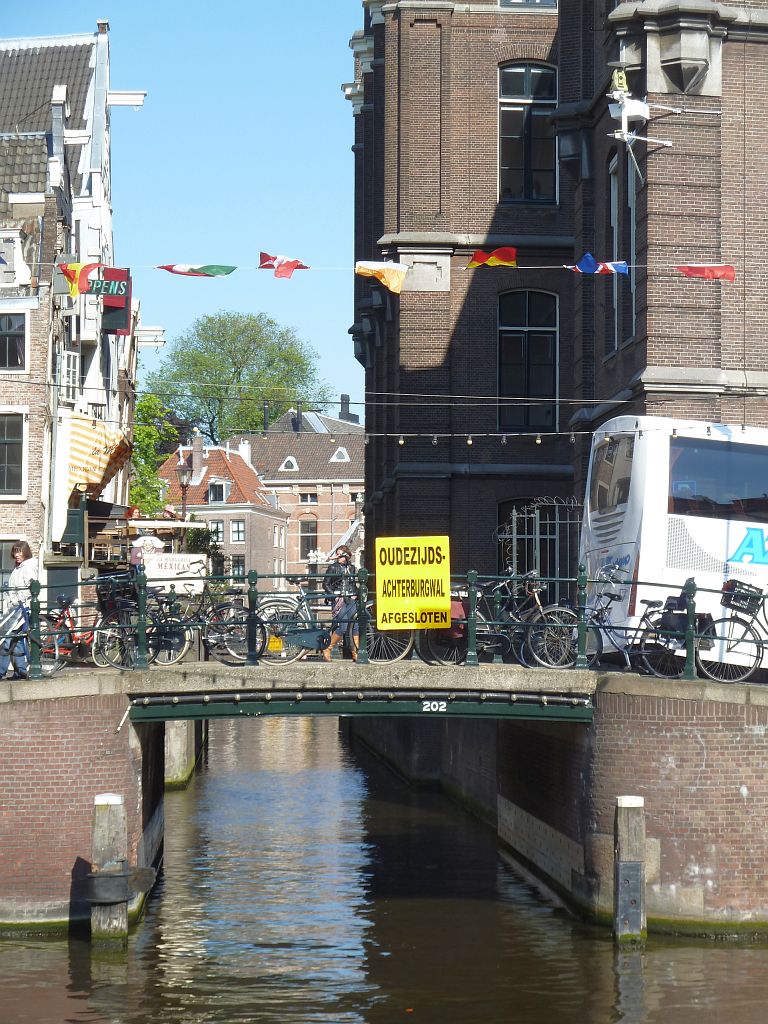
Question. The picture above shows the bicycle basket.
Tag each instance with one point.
(111, 588)
(742, 597)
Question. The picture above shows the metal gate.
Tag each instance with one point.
(541, 534)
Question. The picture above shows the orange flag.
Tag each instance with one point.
(77, 275)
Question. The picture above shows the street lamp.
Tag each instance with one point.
(184, 476)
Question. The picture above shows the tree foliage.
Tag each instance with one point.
(153, 439)
(219, 374)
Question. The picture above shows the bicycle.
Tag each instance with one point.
(295, 622)
(75, 644)
(506, 612)
(655, 646)
(50, 660)
(736, 646)
(168, 636)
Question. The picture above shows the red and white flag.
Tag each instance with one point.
(283, 266)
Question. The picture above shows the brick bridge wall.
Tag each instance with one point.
(56, 755)
(696, 752)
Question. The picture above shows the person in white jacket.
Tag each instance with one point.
(16, 598)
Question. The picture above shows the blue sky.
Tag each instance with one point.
(243, 144)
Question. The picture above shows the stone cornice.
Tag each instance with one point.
(492, 7)
(440, 239)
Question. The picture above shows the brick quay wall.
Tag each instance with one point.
(696, 752)
(57, 755)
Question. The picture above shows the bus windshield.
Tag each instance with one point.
(718, 479)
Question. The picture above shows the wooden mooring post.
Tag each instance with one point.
(109, 875)
(629, 923)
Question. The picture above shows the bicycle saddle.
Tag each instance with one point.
(652, 604)
(63, 601)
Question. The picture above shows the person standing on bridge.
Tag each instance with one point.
(339, 584)
(16, 598)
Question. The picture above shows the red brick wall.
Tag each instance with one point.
(690, 759)
(56, 756)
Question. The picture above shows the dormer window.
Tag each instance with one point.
(290, 465)
(340, 455)
(218, 491)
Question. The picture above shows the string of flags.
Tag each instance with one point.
(391, 274)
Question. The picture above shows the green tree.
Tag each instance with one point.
(153, 439)
(219, 374)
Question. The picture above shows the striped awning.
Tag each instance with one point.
(96, 452)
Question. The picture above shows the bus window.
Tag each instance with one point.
(611, 473)
(718, 479)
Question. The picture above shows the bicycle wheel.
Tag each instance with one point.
(449, 646)
(225, 634)
(660, 654)
(116, 643)
(553, 641)
(116, 640)
(168, 640)
(729, 650)
(281, 618)
(383, 645)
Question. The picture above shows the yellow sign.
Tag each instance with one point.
(413, 583)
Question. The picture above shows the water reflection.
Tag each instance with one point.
(303, 883)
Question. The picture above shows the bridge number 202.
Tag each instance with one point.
(434, 705)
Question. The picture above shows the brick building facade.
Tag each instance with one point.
(489, 124)
(226, 495)
(313, 464)
(67, 363)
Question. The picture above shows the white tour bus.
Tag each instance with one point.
(669, 499)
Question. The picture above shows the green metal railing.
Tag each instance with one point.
(471, 589)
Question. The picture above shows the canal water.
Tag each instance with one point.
(304, 884)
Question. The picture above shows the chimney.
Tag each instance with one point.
(245, 450)
(297, 422)
(197, 455)
(345, 414)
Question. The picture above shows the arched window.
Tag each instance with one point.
(528, 350)
(527, 148)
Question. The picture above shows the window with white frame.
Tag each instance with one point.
(70, 377)
(275, 535)
(11, 453)
(308, 498)
(282, 536)
(13, 341)
(216, 527)
(237, 531)
(528, 350)
(216, 492)
(307, 537)
(238, 566)
(527, 146)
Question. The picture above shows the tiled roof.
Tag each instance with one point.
(219, 465)
(313, 455)
(23, 163)
(29, 70)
